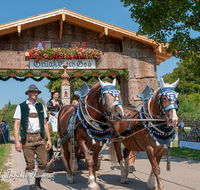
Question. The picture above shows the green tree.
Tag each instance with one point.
(41, 100)
(170, 22)
(8, 114)
(188, 82)
(188, 88)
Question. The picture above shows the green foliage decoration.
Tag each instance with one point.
(58, 75)
(77, 82)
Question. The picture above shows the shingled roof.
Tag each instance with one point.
(74, 18)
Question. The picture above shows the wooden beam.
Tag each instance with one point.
(104, 32)
(19, 30)
(61, 25)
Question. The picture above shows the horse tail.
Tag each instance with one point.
(112, 154)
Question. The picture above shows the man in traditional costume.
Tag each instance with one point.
(32, 116)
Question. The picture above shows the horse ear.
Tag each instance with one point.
(162, 84)
(114, 82)
(175, 83)
(101, 83)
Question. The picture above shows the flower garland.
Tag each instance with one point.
(4, 76)
(61, 53)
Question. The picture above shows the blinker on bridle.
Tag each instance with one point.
(170, 93)
(110, 89)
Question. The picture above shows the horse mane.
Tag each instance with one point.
(153, 103)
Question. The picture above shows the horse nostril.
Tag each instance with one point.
(119, 117)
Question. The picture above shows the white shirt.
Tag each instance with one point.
(181, 124)
(33, 123)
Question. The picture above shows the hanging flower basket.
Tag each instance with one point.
(61, 53)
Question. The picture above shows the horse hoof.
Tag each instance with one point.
(124, 181)
(71, 182)
(94, 188)
(154, 188)
(70, 179)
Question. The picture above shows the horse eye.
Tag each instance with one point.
(164, 99)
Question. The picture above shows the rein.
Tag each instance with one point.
(96, 111)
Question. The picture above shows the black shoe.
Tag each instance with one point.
(32, 187)
(132, 169)
(37, 183)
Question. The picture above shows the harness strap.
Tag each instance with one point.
(128, 132)
(137, 143)
(129, 123)
(67, 136)
(171, 106)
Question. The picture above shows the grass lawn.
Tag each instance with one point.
(184, 152)
(4, 154)
(11, 132)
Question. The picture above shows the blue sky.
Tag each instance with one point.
(109, 11)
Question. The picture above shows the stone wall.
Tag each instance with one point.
(141, 61)
(139, 58)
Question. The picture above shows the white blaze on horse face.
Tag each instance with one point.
(174, 117)
(120, 106)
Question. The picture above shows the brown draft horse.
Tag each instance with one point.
(98, 104)
(163, 102)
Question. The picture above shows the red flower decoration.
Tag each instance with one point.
(57, 105)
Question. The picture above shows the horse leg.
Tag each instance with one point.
(90, 164)
(117, 146)
(155, 173)
(66, 154)
(126, 160)
(95, 155)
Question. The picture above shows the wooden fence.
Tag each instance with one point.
(194, 134)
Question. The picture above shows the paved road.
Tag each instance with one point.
(184, 175)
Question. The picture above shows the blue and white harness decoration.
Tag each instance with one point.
(170, 93)
(159, 133)
(92, 133)
(110, 89)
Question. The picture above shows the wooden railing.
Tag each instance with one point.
(194, 134)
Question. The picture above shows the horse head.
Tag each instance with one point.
(166, 99)
(104, 97)
(110, 99)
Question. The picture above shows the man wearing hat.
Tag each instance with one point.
(30, 119)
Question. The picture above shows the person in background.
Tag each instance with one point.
(132, 157)
(180, 129)
(75, 102)
(6, 131)
(31, 115)
(54, 106)
(66, 103)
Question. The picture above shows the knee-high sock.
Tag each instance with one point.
(30, 177)
(39, 172)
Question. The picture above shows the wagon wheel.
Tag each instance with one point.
(50, 167)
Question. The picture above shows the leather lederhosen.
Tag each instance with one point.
(33, 139)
